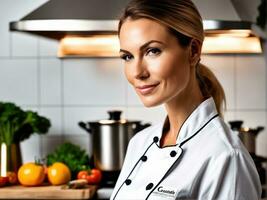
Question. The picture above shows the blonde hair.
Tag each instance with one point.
(183, 20)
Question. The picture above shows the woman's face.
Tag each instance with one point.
(155, 63)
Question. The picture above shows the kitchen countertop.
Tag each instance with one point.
(46, 192)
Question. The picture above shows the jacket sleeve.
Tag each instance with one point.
(231, 176)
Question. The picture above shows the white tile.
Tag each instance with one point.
(30, 149)
(24, 45)
(132, 97)
(48, 47)
(223, 68)
(4, 40)
(94, 82)
(13, 10)
(229, 116)
(251, 119)
(261, 144)
(251, 82)
(73, 115)
(54, 114)
(31, 108)
(147, 115)
(18, 81)
(50, 81)
(49, 143)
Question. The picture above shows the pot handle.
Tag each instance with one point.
(84, 126)
(236, 125)
(114, 114)
(259, 129)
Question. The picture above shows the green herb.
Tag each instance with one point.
(17, 125)
(72, 155)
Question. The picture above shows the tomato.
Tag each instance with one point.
(3, 180)
(31, 174)
(92, 176)
(12, 177)
(58, 173)
(82, 174)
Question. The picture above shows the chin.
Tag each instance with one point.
(149, 103)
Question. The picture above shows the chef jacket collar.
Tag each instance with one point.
(204, 113)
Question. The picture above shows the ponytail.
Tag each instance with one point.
(210, 86)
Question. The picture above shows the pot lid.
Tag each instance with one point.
(251, 130)
(114, 118)
(236, 125)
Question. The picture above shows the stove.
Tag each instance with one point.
(109, 178)
(107, 185)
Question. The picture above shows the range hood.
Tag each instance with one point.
(89, 28)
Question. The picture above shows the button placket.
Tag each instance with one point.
(149, 186)
(128, 181)
(144, 158)
(173, 153)
(145, 172)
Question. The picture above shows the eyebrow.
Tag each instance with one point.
(143, 46)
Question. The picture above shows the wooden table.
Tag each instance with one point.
(46, 192)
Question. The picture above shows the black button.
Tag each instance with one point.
(149, 186)
(144, 158)
(173, 153)
(155, 139)
(128, 182)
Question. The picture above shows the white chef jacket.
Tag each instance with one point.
(208, 162)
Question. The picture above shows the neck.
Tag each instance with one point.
(179, 109)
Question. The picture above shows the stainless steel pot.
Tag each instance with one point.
(247, 135)
(110, 139)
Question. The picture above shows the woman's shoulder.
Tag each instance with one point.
(225, 141)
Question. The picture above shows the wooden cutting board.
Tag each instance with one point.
(46, 192)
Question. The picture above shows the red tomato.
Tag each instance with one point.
(3, 180)
(92, 176)
(12, 177)
(82, 174)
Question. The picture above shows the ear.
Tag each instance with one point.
(195, 51)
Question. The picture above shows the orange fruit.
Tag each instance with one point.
(31, 174)
(58, 173)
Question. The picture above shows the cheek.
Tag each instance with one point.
(170, 69)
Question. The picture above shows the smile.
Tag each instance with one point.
(146, 89)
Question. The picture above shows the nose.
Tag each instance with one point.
(140, 70)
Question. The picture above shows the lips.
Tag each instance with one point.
(146, 89)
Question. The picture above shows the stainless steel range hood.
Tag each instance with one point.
(89, 27)
(58, 18)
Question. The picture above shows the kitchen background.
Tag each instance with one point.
(74, 89)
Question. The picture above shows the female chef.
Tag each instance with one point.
(192, 154)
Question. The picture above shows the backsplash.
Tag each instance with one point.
(70, 90)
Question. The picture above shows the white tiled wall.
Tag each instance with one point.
(72, 90)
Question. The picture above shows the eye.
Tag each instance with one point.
(126, 57)
(153, 51)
